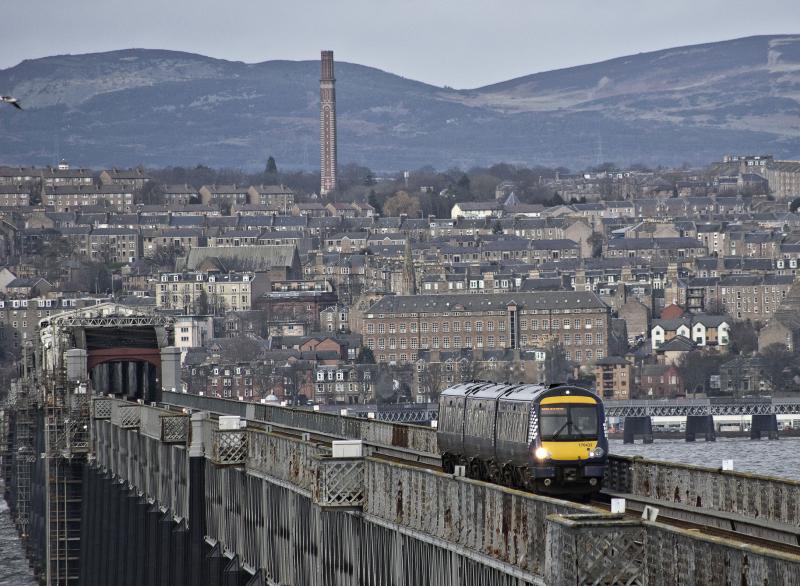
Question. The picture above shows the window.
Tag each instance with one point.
(370, 328)
(381, 328)
(535, 324)
(435, 327)
(424, 326)
(392, 329)
(435, 342)
(490, 341)
(478, 326)
(490, 326)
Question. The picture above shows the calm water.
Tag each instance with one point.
(14, 570)
(773, 458)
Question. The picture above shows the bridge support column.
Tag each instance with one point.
(170, 370)
(703, 424)
(133, 381)
(77, 364)
(119, 385)
(641, 426)
(764, 423)
(197, 501)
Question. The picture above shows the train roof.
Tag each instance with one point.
(522, 392)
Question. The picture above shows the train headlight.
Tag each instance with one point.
(596, 453)
(541, 454)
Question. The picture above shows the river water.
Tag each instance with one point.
(773, 458)
(14, 570)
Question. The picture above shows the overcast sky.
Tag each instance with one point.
(461, 43)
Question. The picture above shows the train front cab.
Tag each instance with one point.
(569, 448)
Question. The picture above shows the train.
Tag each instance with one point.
(546, 439)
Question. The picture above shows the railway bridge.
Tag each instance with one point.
(114, 481)
(197, 490)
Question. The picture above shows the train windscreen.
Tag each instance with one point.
(568, 422)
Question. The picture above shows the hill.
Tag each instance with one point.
(689, 104)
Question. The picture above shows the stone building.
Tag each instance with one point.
(396, 328)
(209, 292)
(783, 178)
(613, 378)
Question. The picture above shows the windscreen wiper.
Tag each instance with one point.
(560, 429)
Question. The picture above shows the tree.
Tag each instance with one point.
(366, 356)
(430, 380)
(779, 365)
(743, 338)
(596, 242)
(463, 186)
(151, 193)
(558, 367)
(374, 202)
(497, 228)
(401, 203)
(166, 256)
(795, 205)
(696, 368)
(272, 167)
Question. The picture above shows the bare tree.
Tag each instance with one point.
(430, 380)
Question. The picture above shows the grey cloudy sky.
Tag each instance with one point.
(461, 43)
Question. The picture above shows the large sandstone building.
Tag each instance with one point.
(397, 327)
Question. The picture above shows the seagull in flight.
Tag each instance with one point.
(9, 100)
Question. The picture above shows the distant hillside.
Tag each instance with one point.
(689, 104)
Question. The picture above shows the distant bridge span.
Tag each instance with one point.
(426, 412)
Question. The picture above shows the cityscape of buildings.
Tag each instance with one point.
(640, 283)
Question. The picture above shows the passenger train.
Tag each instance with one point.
(534, 437)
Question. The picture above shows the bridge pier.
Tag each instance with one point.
(760, 424)
(638, 426)
(703, 424)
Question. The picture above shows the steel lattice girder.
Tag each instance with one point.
(677, 409)
(113, 321)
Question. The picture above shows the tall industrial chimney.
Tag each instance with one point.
(327, 125)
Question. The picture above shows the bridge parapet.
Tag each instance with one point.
(125, 415)
(339, 483)
(595, 549)
(609, 549)
(488, 520)
(228, 446)
(287, 459)
(749, 495)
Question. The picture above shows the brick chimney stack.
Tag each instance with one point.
(327, 122)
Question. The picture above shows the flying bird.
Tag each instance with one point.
(13, 101)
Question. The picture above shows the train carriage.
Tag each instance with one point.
(547, 439)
